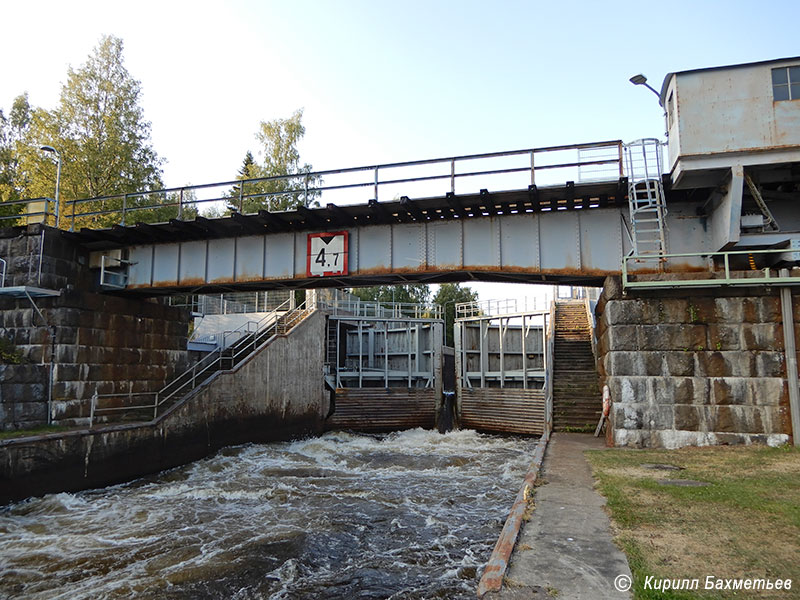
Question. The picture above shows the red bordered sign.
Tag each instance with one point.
(327, 254)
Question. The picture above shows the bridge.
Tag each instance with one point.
(694, 332)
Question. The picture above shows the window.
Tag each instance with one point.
(786, 83)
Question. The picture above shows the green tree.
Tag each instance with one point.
(279, 139)
(101, 134)
(414, 293)
(13, 130)
(448, 296)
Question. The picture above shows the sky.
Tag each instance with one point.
(387, 81)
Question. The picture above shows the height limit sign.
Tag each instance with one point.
(327, 254)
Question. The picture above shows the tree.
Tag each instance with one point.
(279, 139)
(12, 131)
(448, 296)
(414, 293)
(101, 134)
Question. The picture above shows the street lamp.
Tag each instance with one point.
(642, 80)
(52, 150)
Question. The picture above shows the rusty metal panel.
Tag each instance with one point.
(408, 246)
(193, 263)
(445, 244)
(278, 262)
(481, 242)
(519, 242)
(221, 260)
(141, 270)
(601, 239)
(250, 258)
(558, 241)
(374, 248)
(383, 409)
(166, 261)
(503, 410)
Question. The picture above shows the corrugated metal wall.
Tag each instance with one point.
(504, 410)
(383, 409)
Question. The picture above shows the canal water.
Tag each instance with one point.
(410, 515)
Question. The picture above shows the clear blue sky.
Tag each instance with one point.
(388, 81)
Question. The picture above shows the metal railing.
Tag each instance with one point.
(566, 162)
(251, 337)
(231, 302)
(508, 306)
(2, 273)
(380, 310)
(741, 275)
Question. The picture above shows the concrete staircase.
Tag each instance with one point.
(576, 397)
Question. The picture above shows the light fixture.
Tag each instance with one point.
(642, 80)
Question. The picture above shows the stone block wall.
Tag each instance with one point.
(707, 367)
(96, 342)
(276, 394)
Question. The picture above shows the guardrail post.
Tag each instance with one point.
(376, 184)
(72, 220)
(180, 205)
(124, 207)
(453, 175)
(155, 407)
(533, 171)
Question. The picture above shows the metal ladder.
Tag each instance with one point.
(643, 166)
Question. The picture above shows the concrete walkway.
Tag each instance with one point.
(565, 550)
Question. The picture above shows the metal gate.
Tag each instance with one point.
(503, 358)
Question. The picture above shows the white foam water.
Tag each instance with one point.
(413, 515)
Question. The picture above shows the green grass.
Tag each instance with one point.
(744, 523)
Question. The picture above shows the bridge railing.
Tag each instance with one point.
(507, 170)
(27, 212)
(730, 268)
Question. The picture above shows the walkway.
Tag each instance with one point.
(565, 550)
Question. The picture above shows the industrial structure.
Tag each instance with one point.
(694, 334)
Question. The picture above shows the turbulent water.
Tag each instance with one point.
(406, 515)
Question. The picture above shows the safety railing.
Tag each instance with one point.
(2, 273)
(250, 338)
(534, 166)
(380, 310)
(508, 306)
(728, 268)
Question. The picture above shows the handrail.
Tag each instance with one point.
(718, 278)
(223, 358)
(3, 273)
(309, 185)
(42, 215)
(380, 310)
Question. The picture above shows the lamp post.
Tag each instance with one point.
(642, 80)
(52, 150)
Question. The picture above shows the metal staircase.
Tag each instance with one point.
(643, 166)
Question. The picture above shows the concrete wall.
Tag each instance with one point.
(696, 368)
(276, 394)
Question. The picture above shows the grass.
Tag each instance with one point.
(745, 523)
(4, 435)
